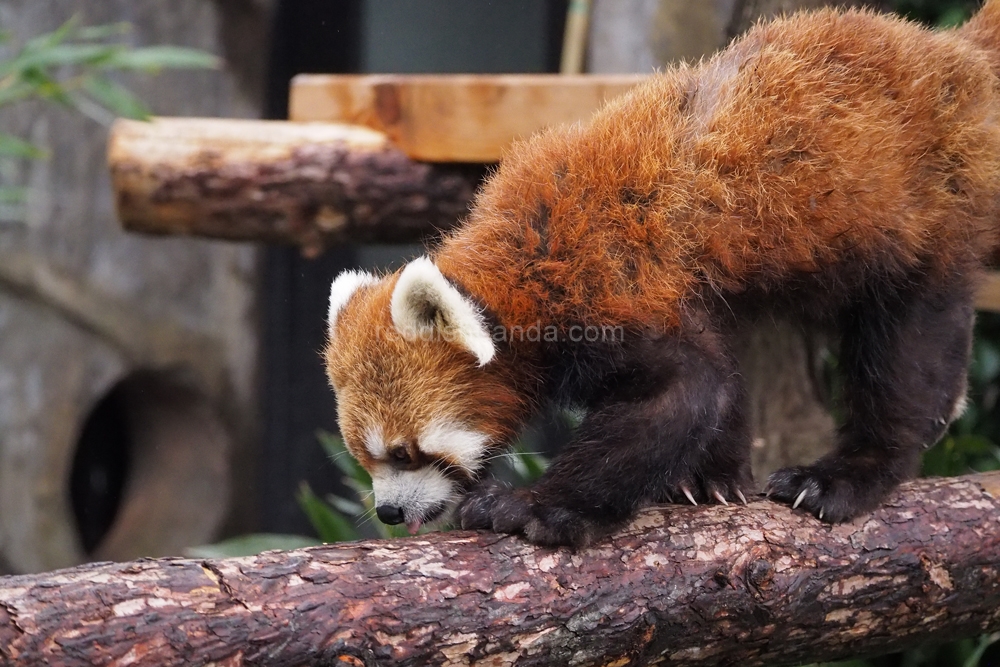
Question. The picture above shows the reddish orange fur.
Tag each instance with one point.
(401, 385)
(842, 144)
(810, 135)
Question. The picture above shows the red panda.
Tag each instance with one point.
(838, 167)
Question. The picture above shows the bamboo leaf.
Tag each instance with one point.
(345, 506)
(57, 36)
(330, 525)
(60, 55)
(115, 98)
(154, 58)
(12, 195)
(13, 90)
(96, 32)
(337, 451)
(12, 146)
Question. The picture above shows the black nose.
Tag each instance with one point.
(389, 514)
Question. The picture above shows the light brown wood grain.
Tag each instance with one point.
(453, 118)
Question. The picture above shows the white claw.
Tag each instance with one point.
(821, 513)
(798, 501)
(743, 499)
(718, 496)
(687, 494)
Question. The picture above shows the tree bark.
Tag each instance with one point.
(756, 585)
(310, 184)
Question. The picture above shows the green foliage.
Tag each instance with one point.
(73, 66)
(938, 13)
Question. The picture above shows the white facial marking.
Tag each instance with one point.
(416, 492)
(461, 445)
(374, 441)
(423, 289)
(341, 291)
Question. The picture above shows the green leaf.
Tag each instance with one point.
(952, 16)
(46, 87)
(345, 506)
(58, 36)
(13, 90)
(337, 451)
(12, 195)
(97, 32)
(534, 464)
(984, 643)
(331, 443)
(330, 525)
(58, 56)
(14, 147)
(153, 58)
(985, 362)
(972, 445)
(115, 98)
(250, 545)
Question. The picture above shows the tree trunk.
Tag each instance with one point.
(757, 585)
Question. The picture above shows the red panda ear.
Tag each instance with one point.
(341, 291)
(426, 305)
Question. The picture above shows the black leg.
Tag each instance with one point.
(669, 428)
(904, 352)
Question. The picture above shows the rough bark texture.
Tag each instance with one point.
(269, 181)
(757, 585)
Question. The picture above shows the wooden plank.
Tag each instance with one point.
(453, 118)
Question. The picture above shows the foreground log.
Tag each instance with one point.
(311, 184)
(681, 586)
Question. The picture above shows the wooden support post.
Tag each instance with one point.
(756, 585)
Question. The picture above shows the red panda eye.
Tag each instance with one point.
(400, 456)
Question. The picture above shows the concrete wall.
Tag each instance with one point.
(84, 305)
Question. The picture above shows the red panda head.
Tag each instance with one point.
(423, 400)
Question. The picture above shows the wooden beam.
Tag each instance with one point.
(756, 585)
(307, 183)
(454, 118)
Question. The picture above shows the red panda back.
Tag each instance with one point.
(815, 142)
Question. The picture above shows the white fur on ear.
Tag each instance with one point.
(425, 304)
(341, 291)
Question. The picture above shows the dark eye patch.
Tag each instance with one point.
(400, 458)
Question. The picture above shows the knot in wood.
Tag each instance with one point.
(759, 574)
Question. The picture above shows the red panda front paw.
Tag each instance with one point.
(492, 506)
(833, 489)
(495, 507)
